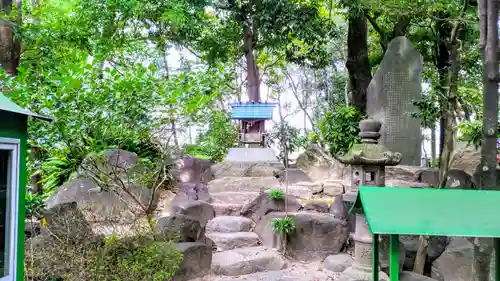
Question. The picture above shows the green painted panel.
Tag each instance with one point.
(428, 211)
(7, 105)
(15, 126)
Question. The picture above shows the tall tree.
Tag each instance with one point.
(10, 45)
(488, 43)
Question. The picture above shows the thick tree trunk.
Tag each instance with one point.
(253, 81)
(490, 100)
(10, 47)
(442, 67)
(488, 42)
(357, 63)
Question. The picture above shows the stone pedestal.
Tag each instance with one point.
(362, 269)
(349, 198)
(368, 161)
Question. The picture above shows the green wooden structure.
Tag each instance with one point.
(427, 211)
(13, 176)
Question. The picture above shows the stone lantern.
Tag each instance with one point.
(368, 161)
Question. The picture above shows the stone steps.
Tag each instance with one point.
(230, 203)
(243, 261)
(242, 184)
(292, 274)
(227, 224)
(233, 240)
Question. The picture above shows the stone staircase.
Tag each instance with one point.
(240, 253)
(238, 248)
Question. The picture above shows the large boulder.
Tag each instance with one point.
(338, 262)
(106, 211)
(181, 227)
(437, 245)
(242, 184)
(402, 172)
(198, 210)
(243, 261)
(196, 261)
(319, 164)
(228, 224)
(468, 160)
(192, 169)
(192, 191)
(243, 169)
(117, 207)
(292, 176)
(317, 206)
(316, 235)
(429, 176)
(456, 263)
(263, 204)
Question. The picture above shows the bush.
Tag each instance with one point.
(214, 144)
(35, 206)
(284, 225)
(138, 258)
(276, 194)
(134, 258)
(339, 128)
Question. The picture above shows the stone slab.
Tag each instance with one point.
(285, 275)
(228, 224)
(233, 240)
(390, 96)
(252, 155)
(246, 261)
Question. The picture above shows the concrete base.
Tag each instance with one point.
(251, 155)
(357, 273)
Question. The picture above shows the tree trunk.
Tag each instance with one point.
(421, 255)
(357, 63)
(449, 109)
(488, 177)
(488, 42)
(442, 67)
(433, 143)
(253, 81)
(10, 47)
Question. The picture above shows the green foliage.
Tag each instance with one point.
(35, 206)
(339, 128)
(287, 138)
(222, 134)
(471, 132)
(429, 110)
(138, 258)
(284, 225)
(276, 194)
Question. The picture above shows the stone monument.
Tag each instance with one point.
(394, 87)
(368, 161)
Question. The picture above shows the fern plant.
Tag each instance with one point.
(284, 226)
(276, 194)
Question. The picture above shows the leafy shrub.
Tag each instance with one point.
(284, 225)
(471, 132)
(214, 144)
(138, 258)
(35, 206)
(339, 128)
(276, 194)
(141, 257)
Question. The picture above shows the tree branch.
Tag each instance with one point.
(383, 36)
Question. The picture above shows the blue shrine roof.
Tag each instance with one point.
(252, 110)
